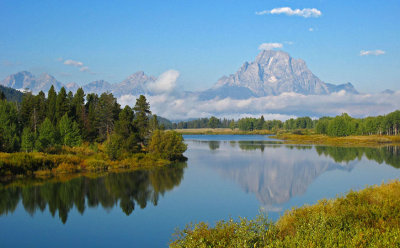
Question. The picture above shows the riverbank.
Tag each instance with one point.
(368, 218)
(224, 131)
(83, 159)
(369, 141)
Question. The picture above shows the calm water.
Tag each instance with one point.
(224, 176)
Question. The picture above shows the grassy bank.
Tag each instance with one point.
(368, 218)
(71, 160)
(371, 140)
(226, 131)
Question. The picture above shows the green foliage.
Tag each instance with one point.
(47, 136)
(114, 146)
(142, 108)
(27, 140)
(167, 145)
(214, 122)
(369, 218)
(51, 104)
(202, 123)
(69, 132)
(10, 94)
(62, 104)
(9, 135)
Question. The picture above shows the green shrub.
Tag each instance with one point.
(167, 145)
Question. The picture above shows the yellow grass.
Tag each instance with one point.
(371, 140)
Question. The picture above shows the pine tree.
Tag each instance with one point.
(61, 104)
(47, 135)
(2, 96)
(51, 105)
(9, 136)
(27, 140)
(142, 112)
(69, 132)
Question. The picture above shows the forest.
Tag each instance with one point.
(61, 121)
(339, 126)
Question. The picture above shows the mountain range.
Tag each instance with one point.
(271, 73)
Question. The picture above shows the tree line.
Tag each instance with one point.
(41, 123)
(341, 125)
(345, 125)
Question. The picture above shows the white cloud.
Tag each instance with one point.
(84, 68)
(372, 52)
(311, 29)
(306, 13)
(284, 106)
(165, 83)
(270, 46)
(289, 42)
(78, 64)
(73, 63)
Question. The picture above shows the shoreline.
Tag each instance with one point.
(348, 141)
(38, 165)
(220, 131)
(302, 139)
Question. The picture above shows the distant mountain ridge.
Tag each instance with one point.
(271, 73)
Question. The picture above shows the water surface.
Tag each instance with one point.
(225, 175)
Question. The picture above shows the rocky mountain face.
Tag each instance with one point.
(272, 73)
(134, 84)
(25, 80)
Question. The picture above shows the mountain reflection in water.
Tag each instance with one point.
(128, 189)
(279, 172)
(272, 171)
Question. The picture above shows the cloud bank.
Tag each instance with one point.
(306, 13)
(169, 102)
(372, 52)
(270, 46)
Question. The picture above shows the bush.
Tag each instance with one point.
(167, 145)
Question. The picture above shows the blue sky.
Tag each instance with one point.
(203, 40)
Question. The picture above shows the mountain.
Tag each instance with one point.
(272, 73)
(388, 91)
(97, 87)
(25, 80)
(72, 86)
(135, 84)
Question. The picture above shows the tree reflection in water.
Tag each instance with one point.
(128, 189)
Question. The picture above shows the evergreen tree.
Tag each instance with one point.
(91, 108)
(154, 123)
(78, 108)
(47, 135)
(142, 112)
(27, 140)
(62, 104)
(9, 135)
(124, 127)
(27, 113)
(69, 132)
(40, 105)
(108, 112)
(51, 104)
